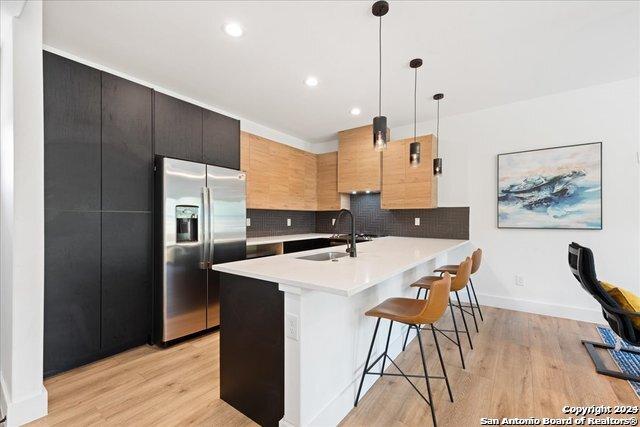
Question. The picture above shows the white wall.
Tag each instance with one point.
(23, 395)
(469, 144)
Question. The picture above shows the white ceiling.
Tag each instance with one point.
(479, 53)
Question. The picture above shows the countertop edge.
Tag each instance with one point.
(345, 293)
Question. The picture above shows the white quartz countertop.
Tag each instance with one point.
(377, 261)
(287, 238)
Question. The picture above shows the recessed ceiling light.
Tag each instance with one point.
(311, 81)
(233, 29)
(353, 192)
(355, 111)
(368, 191)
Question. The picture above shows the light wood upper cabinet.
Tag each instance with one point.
(278, 176)
(404, 187)
(359, 165)
(328, 197)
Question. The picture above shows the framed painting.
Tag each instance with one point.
(556, 188)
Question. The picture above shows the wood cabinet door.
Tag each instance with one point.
(328, 196)
(127, 153)
(220, 140)
(126, 278)
(359, 165)
(72, 300)
(177, 128)
(406, 187)
(310, 177)
(72, 120)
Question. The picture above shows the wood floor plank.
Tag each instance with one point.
(521, 365)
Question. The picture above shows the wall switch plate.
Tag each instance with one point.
(519, 280)
(292, 327)
(248, 222)
(333, 221)
(288, 222)
(416, 221)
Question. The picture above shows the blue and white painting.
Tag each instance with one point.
(557, 187)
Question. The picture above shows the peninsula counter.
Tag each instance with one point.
(293, 332)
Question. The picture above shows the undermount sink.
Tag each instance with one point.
(324, 256)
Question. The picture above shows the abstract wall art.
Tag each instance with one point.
(559, 187)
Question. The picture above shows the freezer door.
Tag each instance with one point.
(228, 237)
(184, 236)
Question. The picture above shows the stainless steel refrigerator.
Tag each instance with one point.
(200, 221)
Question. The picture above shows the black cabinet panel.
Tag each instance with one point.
(221, 140)
(127, 158)
(71, 134)
(252, 357)
(177, 128)
(126, 278)
(72, 289)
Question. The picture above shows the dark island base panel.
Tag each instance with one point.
(252, 347)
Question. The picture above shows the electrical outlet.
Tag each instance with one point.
(519, 280)
(333, 221)
(292, 326)
(248, 222)
(416, 221)
(288, 222)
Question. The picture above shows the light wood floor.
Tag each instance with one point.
(522, 365)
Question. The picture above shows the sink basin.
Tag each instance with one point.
(324, 256)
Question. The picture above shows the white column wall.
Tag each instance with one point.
(324, 365)
(23, 396)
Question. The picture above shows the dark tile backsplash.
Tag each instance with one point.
(444, 223)
(274, 222)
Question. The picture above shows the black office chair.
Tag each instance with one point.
(583, 268)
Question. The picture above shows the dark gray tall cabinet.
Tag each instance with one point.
(101, 133)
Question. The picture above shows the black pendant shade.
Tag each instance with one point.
(379, 133)
(414, 147)
(437, 162)
(414, 154)
(437, 166)
(379, 9)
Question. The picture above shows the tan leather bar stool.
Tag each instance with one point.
(457, 283)
(476, 258)
(412, 312)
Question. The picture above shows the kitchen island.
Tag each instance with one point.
(294, 337)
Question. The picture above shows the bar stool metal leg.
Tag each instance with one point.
(444, 370)
(386, 348)
(366, 364)
(426, 377)
(476, 298)
(455, 328)
(406, 337)
(473, 313)
(464, 320)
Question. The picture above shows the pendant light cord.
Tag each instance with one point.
(438, 129)
(415, 103)
(380, 69)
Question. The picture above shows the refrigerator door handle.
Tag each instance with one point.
(211, 226)
(204, 262)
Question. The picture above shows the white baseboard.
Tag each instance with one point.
(544, 308)
(25, 410)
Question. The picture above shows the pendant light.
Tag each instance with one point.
(437, 162)
(414, 147)
(379, 9)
